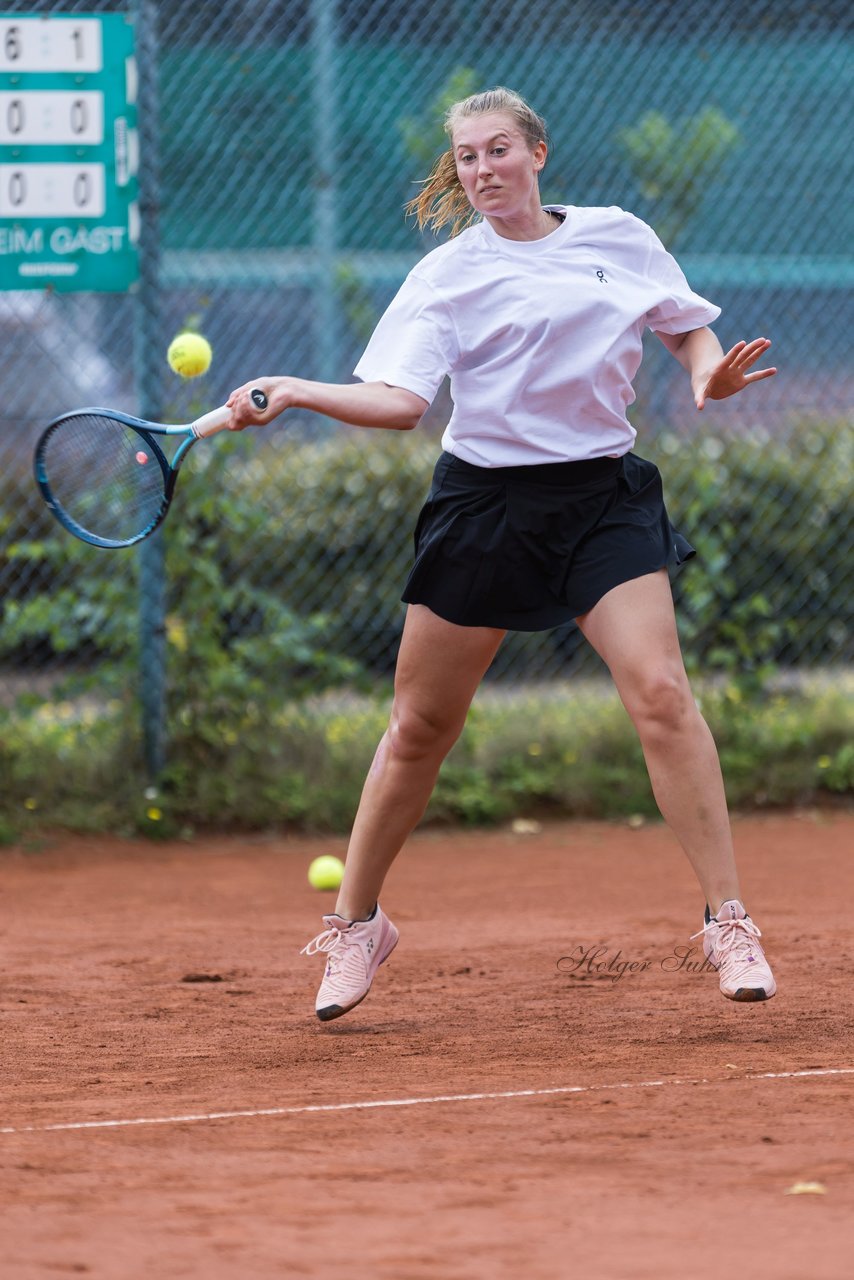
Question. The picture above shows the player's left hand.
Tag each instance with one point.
(732, 375)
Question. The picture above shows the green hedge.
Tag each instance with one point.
(771, 521)
(569, 752)
(285, 563)
(286, 560)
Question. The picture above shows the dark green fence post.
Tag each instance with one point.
(152, 567)
(325, 237)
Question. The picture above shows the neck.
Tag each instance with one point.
(533, 224)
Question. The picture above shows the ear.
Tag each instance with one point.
(540, 154)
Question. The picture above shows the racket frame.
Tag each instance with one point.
(208, 424)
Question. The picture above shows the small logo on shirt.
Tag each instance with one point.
(600, 275)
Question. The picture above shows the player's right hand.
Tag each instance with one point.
(246, 413)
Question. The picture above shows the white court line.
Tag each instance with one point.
(416, 1102)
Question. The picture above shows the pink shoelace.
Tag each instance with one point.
(729, 935)
(326, 941)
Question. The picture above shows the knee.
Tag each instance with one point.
(417, 734)
(661, 703)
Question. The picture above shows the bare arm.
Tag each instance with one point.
(715, 375)
(362, 404)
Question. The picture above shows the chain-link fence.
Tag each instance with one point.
(278, 143)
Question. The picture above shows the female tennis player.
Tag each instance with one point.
(539, 512)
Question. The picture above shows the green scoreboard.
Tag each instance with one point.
(69, 153)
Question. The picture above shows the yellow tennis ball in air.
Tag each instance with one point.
(326, 872)
(189, 355)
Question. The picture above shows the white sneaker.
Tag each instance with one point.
(731, 944)
(354, 951)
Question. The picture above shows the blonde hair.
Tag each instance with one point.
(442, 199)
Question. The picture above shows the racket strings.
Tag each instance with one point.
(105, 476)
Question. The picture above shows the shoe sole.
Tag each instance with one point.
(743, 995)
(332, 1011)
(750, 995)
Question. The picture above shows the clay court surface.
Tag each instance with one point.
(649, 1128)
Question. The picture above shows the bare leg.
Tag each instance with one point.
(633, 629)
(439, 668)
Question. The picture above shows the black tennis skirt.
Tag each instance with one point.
(533, 547)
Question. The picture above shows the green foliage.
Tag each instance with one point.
(770, 578)
(285, 564)
(837, 770)
(73, 762)
(570, 751)
(424, 135)
(85, 612)
(356, 301)
(784, 748)
(675, 165)
(284, 573)
(231, 632)
(233, 636)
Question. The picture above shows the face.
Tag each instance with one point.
(497, 168)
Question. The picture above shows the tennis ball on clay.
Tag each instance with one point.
(189, 355)
(326, 872)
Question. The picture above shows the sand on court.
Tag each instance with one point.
(551, 960)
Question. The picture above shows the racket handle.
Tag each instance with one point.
(210, 423)
(218, 419)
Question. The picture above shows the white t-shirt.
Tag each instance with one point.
(541, 338)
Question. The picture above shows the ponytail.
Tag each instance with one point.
(441, 199)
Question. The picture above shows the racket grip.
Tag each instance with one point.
(210, 423)
(217, 419)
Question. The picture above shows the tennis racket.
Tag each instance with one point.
(105, 476)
